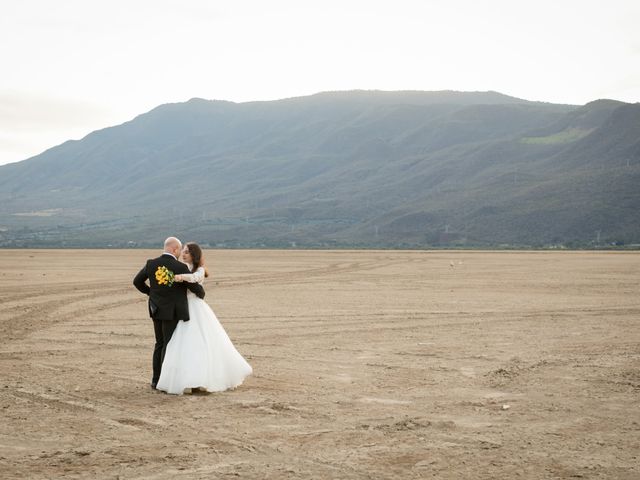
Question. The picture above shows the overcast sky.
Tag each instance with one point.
(73, 66)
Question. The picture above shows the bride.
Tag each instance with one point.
(200, 354)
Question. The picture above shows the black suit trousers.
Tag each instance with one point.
(163, 330)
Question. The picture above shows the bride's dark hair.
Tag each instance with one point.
(196, 256)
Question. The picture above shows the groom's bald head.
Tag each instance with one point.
(173, 246)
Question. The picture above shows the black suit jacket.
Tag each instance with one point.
(166, 303)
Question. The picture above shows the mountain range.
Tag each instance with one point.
(339, 169)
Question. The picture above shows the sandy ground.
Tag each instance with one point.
(368, 364)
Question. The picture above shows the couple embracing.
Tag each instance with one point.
(192, 351)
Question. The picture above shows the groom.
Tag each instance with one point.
(167, 300)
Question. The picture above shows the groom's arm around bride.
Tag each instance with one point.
(166, 302)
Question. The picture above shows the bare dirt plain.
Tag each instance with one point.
(368, 364)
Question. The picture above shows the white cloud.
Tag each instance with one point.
(74, 66)
(30, 123)
(29, 111)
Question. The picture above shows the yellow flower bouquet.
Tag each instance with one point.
(164, 276)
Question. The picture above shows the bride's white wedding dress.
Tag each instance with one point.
(200, 353)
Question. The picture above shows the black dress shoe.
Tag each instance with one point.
(153, 385)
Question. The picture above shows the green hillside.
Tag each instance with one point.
(362, 168)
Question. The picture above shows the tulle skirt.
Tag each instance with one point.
(201, 355)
